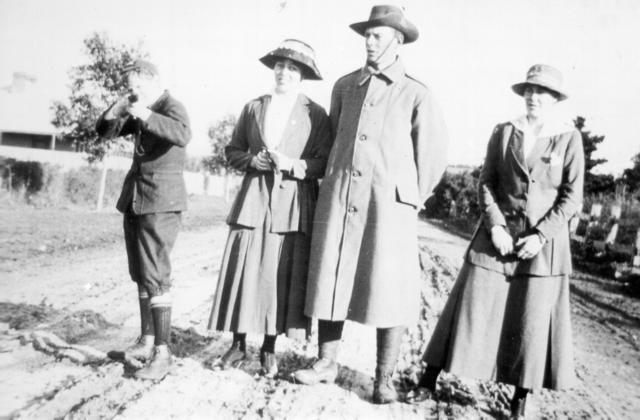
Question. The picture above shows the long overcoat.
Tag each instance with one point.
(155, 183)
(388, 154)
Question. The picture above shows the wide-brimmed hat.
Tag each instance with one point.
(543, 75)
(386, 15)
(141, 66)
(298, 51)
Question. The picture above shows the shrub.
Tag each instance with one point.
(46, 185)
(455, 199)
(82, 186)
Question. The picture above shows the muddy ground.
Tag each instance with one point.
(65, 300)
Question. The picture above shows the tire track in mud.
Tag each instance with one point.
(194, 391)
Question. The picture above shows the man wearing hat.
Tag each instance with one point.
(389, 153)
(152, 199)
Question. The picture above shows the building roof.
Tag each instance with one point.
(24, 108)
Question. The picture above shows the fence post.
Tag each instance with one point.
(103, 183)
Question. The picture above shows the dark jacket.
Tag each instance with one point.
(154, 183)
(291, 197)
(537, 199)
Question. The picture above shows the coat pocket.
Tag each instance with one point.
(407, 195)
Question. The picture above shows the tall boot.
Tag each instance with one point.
(388, 342)
(518, 402)
(142, 349)
(325, 369)
(160, 362)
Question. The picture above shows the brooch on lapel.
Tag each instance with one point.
(553, 159)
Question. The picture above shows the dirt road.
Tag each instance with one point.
(84, 297)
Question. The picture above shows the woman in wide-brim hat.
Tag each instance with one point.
(507, 317)
(281, 142)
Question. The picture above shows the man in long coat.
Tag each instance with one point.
(389, 153)
(152, 199)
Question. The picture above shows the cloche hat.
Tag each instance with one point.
(543, 75)
(387, 15)
(297, 51)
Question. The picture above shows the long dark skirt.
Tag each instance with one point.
(262, 283)
(516, 330)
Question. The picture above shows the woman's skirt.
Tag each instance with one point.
(262, 283)
(516, 330)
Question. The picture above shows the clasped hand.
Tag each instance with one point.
(262, 161)
(529, 246)
(526, 247)
(268, 160)
(502, 241)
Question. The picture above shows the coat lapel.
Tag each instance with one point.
(261, 110)
(515, 149)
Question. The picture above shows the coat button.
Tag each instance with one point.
(351, 209)
(355, 173)
(363, 137)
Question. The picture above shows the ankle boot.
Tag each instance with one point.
(325, 369)
(142, 349)
(268, 360)
(426, 388)
(268, 364)
(160, 362)
(388, 348)
(236, 356)
(159, 365)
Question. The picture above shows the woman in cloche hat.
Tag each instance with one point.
(281, 142)
(507, 317)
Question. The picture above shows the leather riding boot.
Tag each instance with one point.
(388, 347)
(142, 349)
(518, 403)
(325, 369)
(160, 362)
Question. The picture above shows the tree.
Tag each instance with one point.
(94, 86)
(631, 176)
(219, 137)
(593, 183)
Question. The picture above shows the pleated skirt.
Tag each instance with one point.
(515, 330)
(262, 283)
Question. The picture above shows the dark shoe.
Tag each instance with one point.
(142, 349)
(235, 357)
(419, 394)
(269, 364)
(159, 365)
(383, 390)
(323, 370)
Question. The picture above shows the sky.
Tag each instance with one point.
(469, 53)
